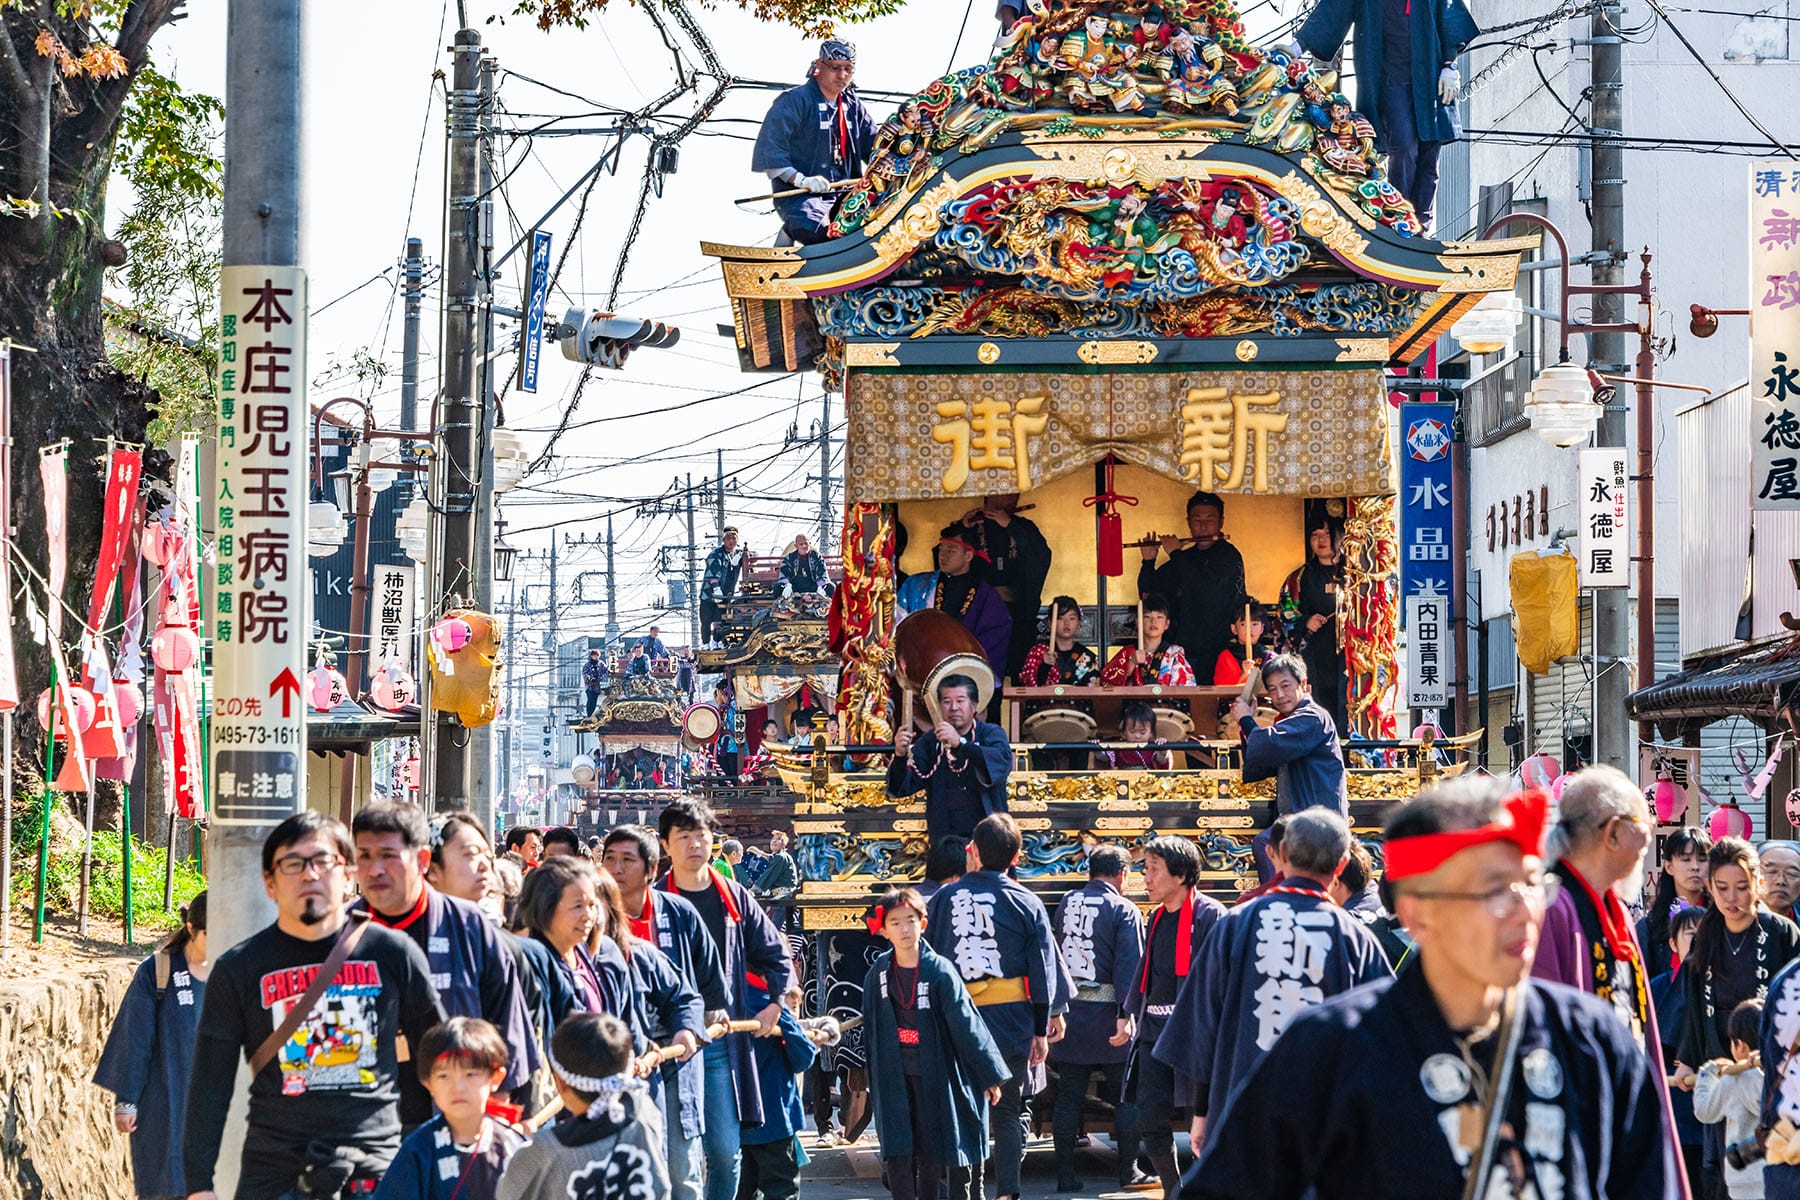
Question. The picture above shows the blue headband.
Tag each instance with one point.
(837, 50)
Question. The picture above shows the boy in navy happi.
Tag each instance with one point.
(934, 1070)
(998, 937)
(1102, 938)
(460, 1153)
(772, 1150)
(473, 969)
(1382, 1091)
(752, 954)
(1180, 928)
(1267, 960)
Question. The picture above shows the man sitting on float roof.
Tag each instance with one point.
(1203, 582)
(815, 135)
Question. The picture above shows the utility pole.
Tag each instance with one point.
(719, 501)
(555, 624)
(480, 749)
(458, 463)
(612, 594)
(693, 584)
(1614, 742)
(412, 283)
(262, 227)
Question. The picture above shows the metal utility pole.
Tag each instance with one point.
(412, 285)
(693, 583)
(1613, 736)
(265, 67)
(825, 521)
(481, 741)
(458, 463)
(719, 500)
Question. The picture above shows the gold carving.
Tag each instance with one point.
(834, 917)
(1123, 824)
(1363, 350)
(756, 253)
(1247, 351)
(1485, 274)
(1035, 822)
(989, 354)
(871, 354)
(1261, 790)
(990, 435)
(1225, 434)
(909, 827)
(763, 280)
(1036, 789)
(801, 827)
(1098, 354)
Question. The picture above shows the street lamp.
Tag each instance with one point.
(511, 459)
(325, 529)
(504, 555)
(1488, 328)
(412, 529)
(1561, 405)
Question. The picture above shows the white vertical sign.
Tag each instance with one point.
(1775, 334)
(1427, 650)
(391, 596)
(258, 505)
(1605, 519)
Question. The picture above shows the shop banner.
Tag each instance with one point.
(1425, 526)
(1428, 651)
(1775, 335)
(1605, 519)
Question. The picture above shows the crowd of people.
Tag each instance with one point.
(622, 1018)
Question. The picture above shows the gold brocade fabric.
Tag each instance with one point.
(1289, 433)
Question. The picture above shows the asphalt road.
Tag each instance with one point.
(854, 1172)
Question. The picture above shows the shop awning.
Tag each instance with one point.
(1757, 682)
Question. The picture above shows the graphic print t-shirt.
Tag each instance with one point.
(336, 1078)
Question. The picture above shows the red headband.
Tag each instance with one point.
(1521, 823)
(977, 551)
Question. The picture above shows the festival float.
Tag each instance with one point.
(1130, 258)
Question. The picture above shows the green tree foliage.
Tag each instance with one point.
(815, 18)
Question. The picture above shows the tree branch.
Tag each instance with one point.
(142, 22)
(12, 69)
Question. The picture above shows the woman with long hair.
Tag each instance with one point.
(1738, 948)
(150, 1052)
(1309, 600)
(1681, 885)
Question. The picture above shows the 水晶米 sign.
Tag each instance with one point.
(258, 500)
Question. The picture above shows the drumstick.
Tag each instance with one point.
(906, 709)
(1249, 652)
(1140, 644)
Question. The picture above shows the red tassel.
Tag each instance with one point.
(1112, 545)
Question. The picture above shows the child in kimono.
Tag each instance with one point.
(933, 1067)
(1732, 1091)
(461, 1152)
(612, 1149)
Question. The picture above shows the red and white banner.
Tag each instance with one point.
(124, 469)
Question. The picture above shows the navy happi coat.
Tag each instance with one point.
(146, 1062)
(1101, 935)
(806, 133)
(1285, 951)
(1364, 1096)
(989, 927)
(958, 1062)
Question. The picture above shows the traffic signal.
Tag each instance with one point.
(604, 340)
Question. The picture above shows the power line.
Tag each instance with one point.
(1730, 95)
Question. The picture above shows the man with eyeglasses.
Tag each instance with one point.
(323, 1117)
(1596, 855)
(1463, 1062)
(474, 971)
(816, 137)
(1781, 878)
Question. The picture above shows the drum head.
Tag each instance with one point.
(971, 665)
(1060, 725)
(700, 726)
(1173, 725)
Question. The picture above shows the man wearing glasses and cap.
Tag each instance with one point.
(815, 137)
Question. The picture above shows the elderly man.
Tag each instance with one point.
(1383, 1091)
(802, 571)
(962, 763)
(815, 137)
(1596, 850)
(1781, 877)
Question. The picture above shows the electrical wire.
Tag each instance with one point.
(1662, 11)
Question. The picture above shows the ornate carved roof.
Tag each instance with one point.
(1124, 171)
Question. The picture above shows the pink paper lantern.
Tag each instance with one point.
(451, 635)
(129, 701)
(1792, 804)
(175, 648)
(47, 712)
(82, 702)
(160, 542)
(394, 686)
(327, 688)
(1540, 771)
(409, 773)
(1668, 801)
(1728, 820)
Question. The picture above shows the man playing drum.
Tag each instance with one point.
(961, 762)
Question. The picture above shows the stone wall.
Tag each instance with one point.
(57, 1140)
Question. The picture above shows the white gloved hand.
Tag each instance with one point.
(818, 185)
(1449, 85)
(1294, 50)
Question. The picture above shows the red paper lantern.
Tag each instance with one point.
(1728, 820)
(129, 701)
(175, 648)
(393, 687)
(1539, 771)
(48, 713)
(452, 634)
(81, 701)
(1668, 801)
(1792, 805)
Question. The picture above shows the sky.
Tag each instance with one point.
(375, 162)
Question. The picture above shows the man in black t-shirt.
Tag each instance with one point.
(325, 1108)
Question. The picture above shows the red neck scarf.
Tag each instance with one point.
(1615, 926)
(1184, 941)
(643, 926)
(418, 910)
(731, 911)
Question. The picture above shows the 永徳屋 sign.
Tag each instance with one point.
(258, 501)
(1775, 334)
(1605, 519)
